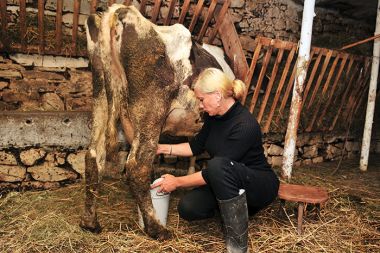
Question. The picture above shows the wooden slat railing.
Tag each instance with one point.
(333, 90)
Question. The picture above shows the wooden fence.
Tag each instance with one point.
(335, 88)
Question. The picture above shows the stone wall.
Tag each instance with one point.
(281, 19)
(44, 83)
(51, 167)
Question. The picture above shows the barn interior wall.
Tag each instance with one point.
(50, 162)
(45, 85)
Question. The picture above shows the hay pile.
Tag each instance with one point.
(48, 221)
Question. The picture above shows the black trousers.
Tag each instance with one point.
(225, 179)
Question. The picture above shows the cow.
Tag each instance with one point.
(142, 78)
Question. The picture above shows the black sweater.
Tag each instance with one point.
(235, 135)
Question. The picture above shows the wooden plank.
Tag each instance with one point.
(185, 9)
(58, 26)
(280, 44)
(344, 98)
(23, 24)
(143, 7)
(359, 86)
(279, 88)
(93, 6)
(320, 77)
(365, 91)
(197, 12)
(290, 86)
(280, 53)
(332, 69)
(311, 77)
(232, 46)
(347, 72)
(41, 31)
(4, 23)
(75, 26)
(249, 74)
(332, 90)
(260, 80)
(156, 11)
(358, 99)
(34, 49)
(331, 72)
(210, 13)
(219, 21)
(170, 13)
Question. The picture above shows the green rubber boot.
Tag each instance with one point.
(234, 214)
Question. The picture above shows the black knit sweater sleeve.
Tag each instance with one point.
(197, 144)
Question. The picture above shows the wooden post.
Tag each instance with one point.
(371, 97)
(295, 108)
(41, 30)
(58, 26)
(23, 24)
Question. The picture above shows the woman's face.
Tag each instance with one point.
(209, 102)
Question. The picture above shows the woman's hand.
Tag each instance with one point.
(168, 184)
(163, 149)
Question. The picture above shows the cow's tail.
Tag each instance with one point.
(114, 75)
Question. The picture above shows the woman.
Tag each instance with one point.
(238, 177)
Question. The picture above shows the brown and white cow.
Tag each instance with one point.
(142, 74)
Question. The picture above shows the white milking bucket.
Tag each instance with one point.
(160, 204)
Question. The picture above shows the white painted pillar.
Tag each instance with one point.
(371, 97)
(295, 108)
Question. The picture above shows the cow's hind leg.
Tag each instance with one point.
(95, 164)
(139, 170)
(89, 219)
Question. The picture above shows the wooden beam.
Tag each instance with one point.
(248, 75)
(156, 10)
(41, 30)
(197, 12)
(170, 12)
(210, 13)
(232, 46)
(268, 90)
(185, 8)
(261, 78)
(23, 24)
(58, 26)
(312, 75)
(75, 26)
(93, 6)
(320, 77)
(4, 23)
(332, 90)
(143, 7)
(219, 21)
(279, 89)
(323, 95)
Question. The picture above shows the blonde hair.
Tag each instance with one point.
(213, 79)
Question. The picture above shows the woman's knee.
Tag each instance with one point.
(188, 211)
(216, 167)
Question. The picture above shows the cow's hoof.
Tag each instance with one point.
(164, 235)
(93, 227)
(160, 234)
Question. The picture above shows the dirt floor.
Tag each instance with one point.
(48, 221)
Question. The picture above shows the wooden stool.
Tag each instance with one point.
(302, 194)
